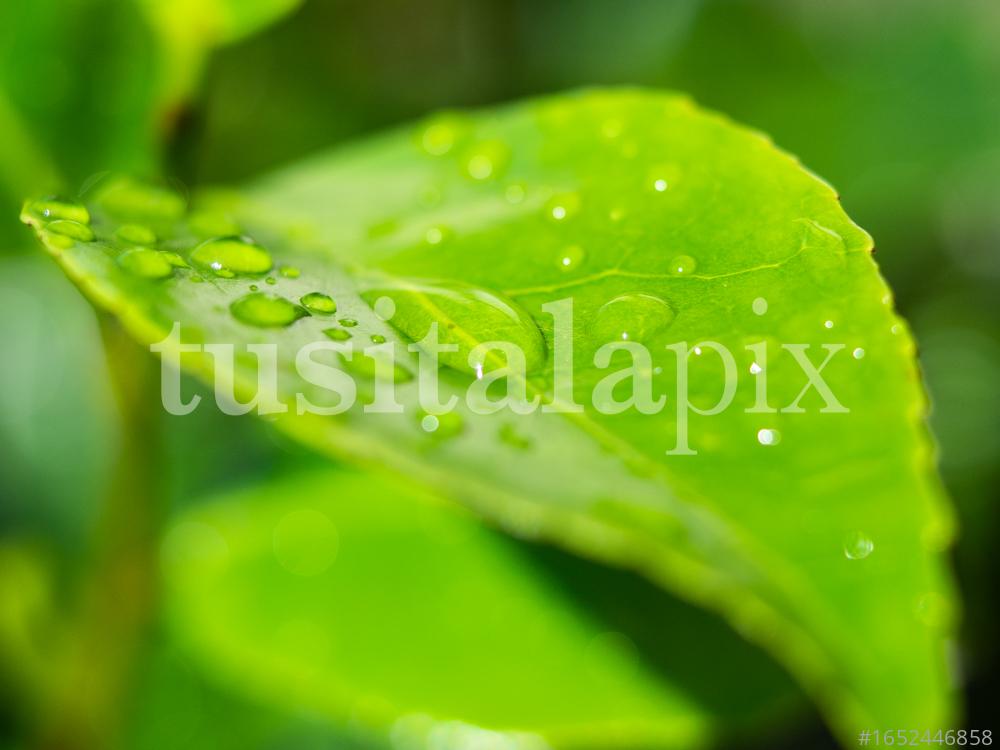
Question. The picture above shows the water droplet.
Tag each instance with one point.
(631, 317)
(858, 353)
(266, 310)
(896, 329)
(149, 264)
(337, 334)
(442, 426)
(442, 132)
(768, 437)
(562, 206)
(660, 185)
(466, 316)
(136, 234)
(570, 258)
(270, 280)
(756, 369)
(53, 208)
(759, 306)
(305, 542)
(317, 302)
(348, 322)
(437, 234)
(682, 265)
(290, 272)
(828, 324)
(511, 437)
(254, 287)
(231, 255)
(72, 229)
(377, 338)
(857, 546)
(515, 193)
(487, 160)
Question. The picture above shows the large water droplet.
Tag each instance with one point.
(466, 316)
(317, 302)
(265, 310)
(226, 256)
(54, 208)
(857, 545)
(631, 317)
(146, 263)
(72, 229)
(136, 234)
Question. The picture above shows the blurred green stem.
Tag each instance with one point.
(118, 593)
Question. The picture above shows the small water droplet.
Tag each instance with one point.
(660, 185)
(631, 317)
(759, 306)
(682, 265)
(146, 263)
(858, 353)
(570, 258)
(487, 160)
(767, 436)
(515, 193)
(442, 426)
(337, 334)
(270, 280)
(563, 206)
(136, 234)
(72, 229)
(377, 338)
(317, 302)
(857, 545)
(226, 256)
(254, 287)
(896, 329)
(348, 322)
(290, 272)
(828, 324)
(265, 310)
(53, 208)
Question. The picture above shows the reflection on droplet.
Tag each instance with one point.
(858, 353)
(226, 256)
(857, 546)
(759, 306)
(659, 185)
(828, 324)
(631, 317)
(319, 303)
(265, 310)
(767, 436)
(682, 265)
(305, 542)
(756, 369)
(146, 263)
(570, 258)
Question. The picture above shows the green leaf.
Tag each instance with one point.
(358, 599)
(817, 535)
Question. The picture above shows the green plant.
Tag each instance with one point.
(816, 534)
